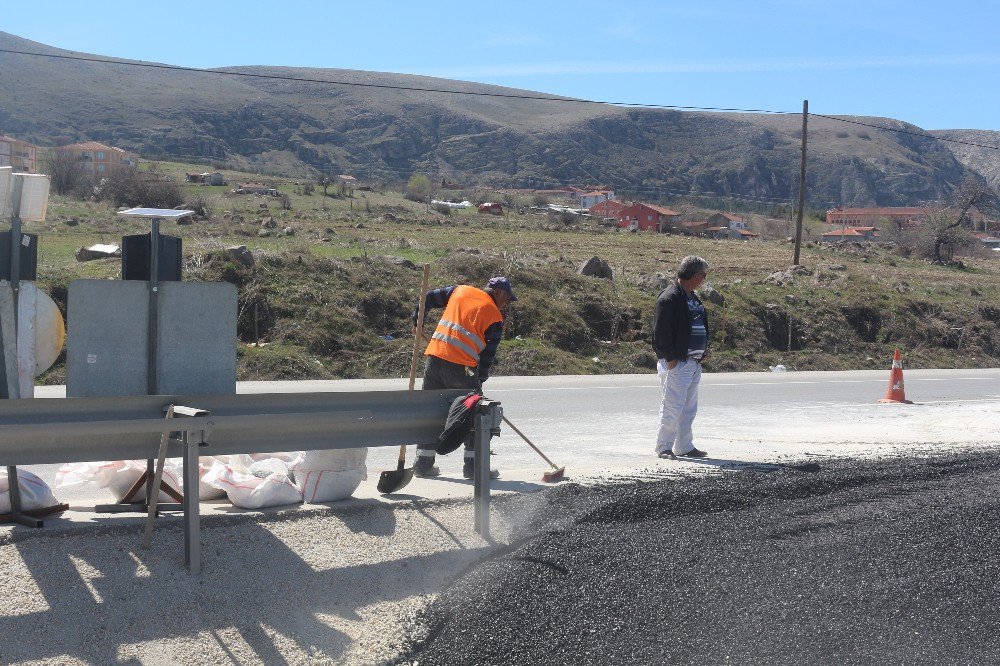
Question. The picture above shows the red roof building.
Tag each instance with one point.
(647, 217)
(609, 208)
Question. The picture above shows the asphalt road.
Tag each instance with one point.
(604, 425)
(872, 562)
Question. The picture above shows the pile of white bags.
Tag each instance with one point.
(118, 476)
(254, 484)
(35, 493)
(329, 476)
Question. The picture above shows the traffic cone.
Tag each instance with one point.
(896, 393)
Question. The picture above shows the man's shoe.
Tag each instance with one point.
(425, 470)
(667, 455)
(469, 472)
(693, 453)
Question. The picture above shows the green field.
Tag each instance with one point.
(333, 298)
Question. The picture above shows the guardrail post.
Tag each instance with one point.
(192, 507)
(488, 416)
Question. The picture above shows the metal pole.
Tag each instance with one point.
(192, 536)
(154, 287)
(802, 183)
(488, 417)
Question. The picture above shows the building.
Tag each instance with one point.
(855, 234)
(492, 208)
(98, 158)
(860, 217)
(214, 178)
(989, 241)
(645, 217)
(593, 197)
(609, 208)
(728, 220)
(21, 155)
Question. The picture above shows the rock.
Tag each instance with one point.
(184, 221)
(772, 306)
(263, 205)
(652, 282)
(289, 231)
(330, 231)
(398, 261)
(596, 267)
(831, 267)
(240, 254)
(360, 225)
(712, 295)
(779, 278)
(72, 222)
(790, 298)
(388, 217)
(903, 288)
(97, 252)
(263, 232)
(799, 269)
(268, 223)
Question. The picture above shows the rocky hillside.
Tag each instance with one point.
(983, 160)
(295, 128)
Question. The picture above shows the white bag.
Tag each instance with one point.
(250, 492)
(118, 476)
(329, 476)
(35, 493)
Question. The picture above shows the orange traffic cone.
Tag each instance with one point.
(896, 392)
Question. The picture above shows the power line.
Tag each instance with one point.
(905, 131)
(387, 86)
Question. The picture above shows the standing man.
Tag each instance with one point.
(680, 340)
(462, 350)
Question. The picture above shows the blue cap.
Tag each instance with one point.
(502, 284)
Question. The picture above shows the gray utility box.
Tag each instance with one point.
(107, 338)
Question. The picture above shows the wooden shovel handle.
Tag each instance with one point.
(416, 346)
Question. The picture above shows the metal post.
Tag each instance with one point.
(192, 536)
(802, 183)
(488, 416)
(154, 287)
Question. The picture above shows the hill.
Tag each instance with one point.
(983, 160)
(299, 129)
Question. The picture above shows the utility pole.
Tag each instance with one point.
(802, 183)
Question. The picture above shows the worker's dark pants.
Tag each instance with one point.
(442, 374)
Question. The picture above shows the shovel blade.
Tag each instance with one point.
(394, 480)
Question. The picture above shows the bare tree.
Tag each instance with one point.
(324, 181)
(64, 170)
(948, 224)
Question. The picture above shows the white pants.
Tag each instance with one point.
(679, 406)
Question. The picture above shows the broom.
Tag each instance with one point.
(553, 475)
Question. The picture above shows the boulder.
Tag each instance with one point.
(652, 282)
(240, 254)
(268, 223)
(289, 231)
(596, 267)
(398, 261)
(711, 294)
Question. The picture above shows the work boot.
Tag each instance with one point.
(469, 471)
(425, 468)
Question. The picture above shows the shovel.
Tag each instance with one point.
(392, 481)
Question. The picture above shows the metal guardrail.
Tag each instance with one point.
(45, 431)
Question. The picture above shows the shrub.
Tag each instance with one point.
(127, 186)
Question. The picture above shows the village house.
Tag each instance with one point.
(729, 221)
(98, 158)
(493, 208)
(855, 234)
(21, 155)
(727, 225)
(609, 208)
(644, 217)
(594, 197)
(901, 216)
(214, 178)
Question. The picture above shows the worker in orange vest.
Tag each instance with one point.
(462, 350)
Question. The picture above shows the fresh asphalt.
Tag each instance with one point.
(874, 562)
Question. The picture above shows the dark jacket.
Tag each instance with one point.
(672, 324)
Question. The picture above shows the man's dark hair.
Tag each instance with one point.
(690, 266)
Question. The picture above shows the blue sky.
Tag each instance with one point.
(936, 65)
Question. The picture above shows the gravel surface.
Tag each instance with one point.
(888, 561)
(303, 586)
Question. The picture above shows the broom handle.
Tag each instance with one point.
(522, 436)
(401, 463)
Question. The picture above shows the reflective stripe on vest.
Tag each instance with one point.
(460, 336)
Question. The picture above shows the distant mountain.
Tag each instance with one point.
(299, 129)
(983, 160)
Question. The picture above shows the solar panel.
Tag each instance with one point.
(169, 213)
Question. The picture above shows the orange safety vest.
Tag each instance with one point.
(461, 334)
